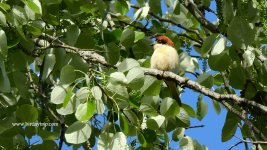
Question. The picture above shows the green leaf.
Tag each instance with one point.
(183, 118)
(100, 106)
(111, 141)
(237, 77)
(124, 124)
(154, 123)
(127, 38)
(142, 140)
(34, 5)
(27, 113)
(248, 57)
(187, 63)
(151, 86)
(240, 32)
(228, 11)
(69, 109)
(149, 105)
(141, 48)
(138, 36)
(250, 91)
(219, 46)
(58, 95)
(206, 80)
(229, 127)
(186, 143)
(48, 135)
(218, 79)
(219, 62)
(176, 7)
(118, 91)
(178, 134)
(85, 111)
(202, 108)
(155, 6)
(216, 106)
(135, 78)
(206, 3)
(190, 111)
(169, 107)
(207, 45)
(19, 15)
(49, 62)
(121, 7)
(8, 100)
(148, 109)
(5, 6)
(141, 13)
(113, 53)
(82, 94)
(3, 19)
(78, 133)
(117, 78)
(68, 97)
(67, 75)
(3, 44)
(128, 64)
(72, 34)
(168, 3)
(96, 92)
(4, 80)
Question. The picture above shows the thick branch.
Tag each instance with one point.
(86, 54)
(199, 88)
(92, 56)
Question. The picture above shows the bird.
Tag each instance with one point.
(166, 58)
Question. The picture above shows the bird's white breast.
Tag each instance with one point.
(165, 58)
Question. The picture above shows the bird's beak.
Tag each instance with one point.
(152, 44)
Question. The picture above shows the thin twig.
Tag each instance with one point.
(198, 126)
(172, 22)
(240, 142)
(252, 142)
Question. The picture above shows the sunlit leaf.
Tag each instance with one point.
(78, 133)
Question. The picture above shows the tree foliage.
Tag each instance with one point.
(82, 64)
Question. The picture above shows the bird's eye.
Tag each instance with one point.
(161, 42)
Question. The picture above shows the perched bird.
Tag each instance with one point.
(165, 58)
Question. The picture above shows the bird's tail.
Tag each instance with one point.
(174, 92)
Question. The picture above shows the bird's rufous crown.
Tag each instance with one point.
(162, 39)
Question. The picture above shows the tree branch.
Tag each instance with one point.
(240, 142)
(89, 55)
(62, 133)
(253, 142)
(199, 88)
(174, 23)
(191, 127)
(243, 115)
(199, 16)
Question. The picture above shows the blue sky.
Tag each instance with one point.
(210, 134)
